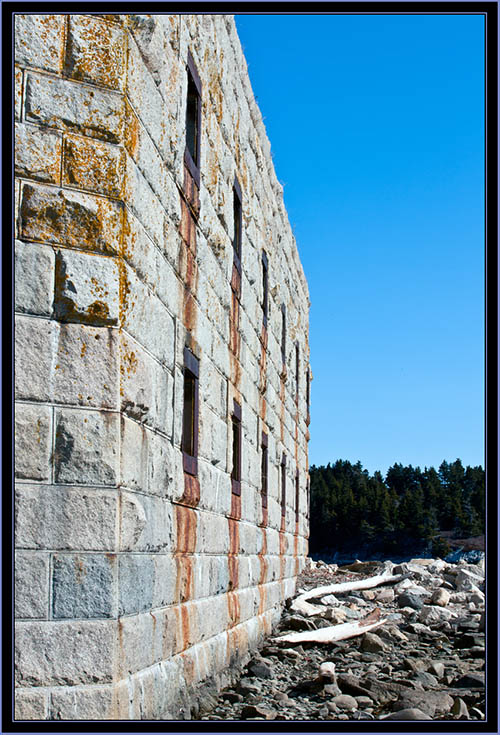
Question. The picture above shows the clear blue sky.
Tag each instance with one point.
(376, 124)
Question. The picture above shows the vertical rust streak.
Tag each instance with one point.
(233, 602)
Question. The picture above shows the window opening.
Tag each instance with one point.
(236, 431)
(237, 219)
(193, 119)
(297, 496)
(264, 468)
(190, 413)
(283, 333)
(283, 484)
(265, 287)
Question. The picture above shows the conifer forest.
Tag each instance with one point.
(354, 512)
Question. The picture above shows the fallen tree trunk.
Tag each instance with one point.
(335, 632)
(361, 584)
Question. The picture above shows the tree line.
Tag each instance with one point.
(353, 510)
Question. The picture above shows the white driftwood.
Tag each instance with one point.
(335, 632)
(361, 584)
(306, 608)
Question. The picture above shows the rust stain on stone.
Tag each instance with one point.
(191, 495)
(263, 565)
(186, 521)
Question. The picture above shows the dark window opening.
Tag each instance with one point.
(283, 484)
(263, 471)
(193, 119)
(283, 333)
(236, 469)
(297, 363)
(192, 132)
(297, 496)
(308, 389)
(237, 219)
(190, 413)
(265, 288)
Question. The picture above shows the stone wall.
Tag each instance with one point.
(137, 579)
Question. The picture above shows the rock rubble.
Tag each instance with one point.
(425, 662)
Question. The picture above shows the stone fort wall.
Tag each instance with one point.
(162, 367)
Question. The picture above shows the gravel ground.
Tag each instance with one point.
(425, 662)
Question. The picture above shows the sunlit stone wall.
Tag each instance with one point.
(140, 588)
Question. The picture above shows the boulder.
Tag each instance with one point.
(440, 597)
(432, 703)
(434, 615)
(372, 643)
(436, 668)
(409, 599)
(258, 710)
(410, 713)
(345, 702)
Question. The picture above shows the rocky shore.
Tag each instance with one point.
(422, 659)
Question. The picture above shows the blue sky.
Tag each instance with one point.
(376, 124)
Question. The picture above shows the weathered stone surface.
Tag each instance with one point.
(69, 218)
(95, 51)
(34, 279)
(38, 153)
(31, 585)
(82, 585)
(85, 372)
(66, 105)
(39, 41)
(80, 703)
(30, 704)
(33, 442)
(145, 318)
(181, 575)
(146, 524)
(85, 450)
(34, 345)
(86, 288)
(94, 166)
(135, 583)
(83, 655)
(146, 387)
(49, 517)
(18, 93)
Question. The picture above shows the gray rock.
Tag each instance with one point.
(436, 668)
(258, 710)
(427, 680)
(471, 680)
(410, 713)
(297, 622)
(408, 599)
(440, 597)
(372, 643)
(459, 708)
(350, 684)
(432, 703)
(434, 615)
(262, 669)
(345, 702)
